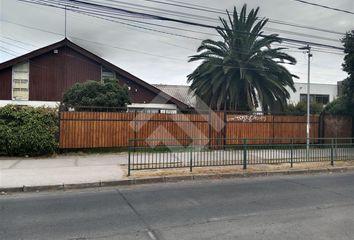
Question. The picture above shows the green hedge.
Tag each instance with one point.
(28, 131)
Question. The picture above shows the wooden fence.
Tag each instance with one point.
(114, 129)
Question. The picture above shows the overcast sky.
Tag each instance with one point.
(161, 58)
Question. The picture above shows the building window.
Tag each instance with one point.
(107, 74)
(317, 98)
(168, 111)
(20, 81)
(152, 110)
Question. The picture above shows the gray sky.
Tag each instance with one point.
(161, 58)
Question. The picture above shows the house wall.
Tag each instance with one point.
(139, 94)
(5, 84)
(51, 74)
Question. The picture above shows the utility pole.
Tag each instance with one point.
(309, 55)
(65, 23)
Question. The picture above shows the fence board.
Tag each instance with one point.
(114, 129)
(337, 126)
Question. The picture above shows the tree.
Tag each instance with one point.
(242, 71)
(94, 93)
(345, 104)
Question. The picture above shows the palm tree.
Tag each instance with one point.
(242, 71)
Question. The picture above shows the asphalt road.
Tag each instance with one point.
(288, 207)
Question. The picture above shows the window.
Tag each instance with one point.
(107, 74)
(20, 81)
(168, 111)
(317, 98)
(324, 99)
(152, 110)
(303, 98)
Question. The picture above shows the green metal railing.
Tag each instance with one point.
(190, 153)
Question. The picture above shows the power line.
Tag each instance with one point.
(280, 45)
(183, 6)
(11, 54)
(18, 41)
(187, 5)
(162, 18)
(142, 22)
(84, 40)
(140, 52)
(9, 51)
(124, 23)
(241, 52)
(290, 45)
(164, 11)
(39, 29)
(88, 10)
(323, 6)
(196, 5)
(129, 50)
(14, 45)
(98, 43)
(105, 11)
(109, 14)
(202, 8)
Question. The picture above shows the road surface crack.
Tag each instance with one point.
(152, 233)
(319, 188)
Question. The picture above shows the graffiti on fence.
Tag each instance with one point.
(247, 118)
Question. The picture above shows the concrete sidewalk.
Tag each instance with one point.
(61, 169)
(96, 170)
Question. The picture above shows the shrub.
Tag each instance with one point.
(301, 108)
(28, 131)
(97, 94)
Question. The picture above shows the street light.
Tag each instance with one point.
(309, 55)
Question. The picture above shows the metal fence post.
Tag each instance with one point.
(332, 152)
(191, 159)
(244, 153)
(291, 153)
(129, 150)
(336, 149)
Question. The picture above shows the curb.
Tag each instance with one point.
(168, 179)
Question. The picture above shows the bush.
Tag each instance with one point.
(338, 106)
(97, 94)
(301, 108)
(28, 131)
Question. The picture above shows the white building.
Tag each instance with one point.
(319, 92)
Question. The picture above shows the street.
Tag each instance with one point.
(317, 207)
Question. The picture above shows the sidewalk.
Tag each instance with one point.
(95, 170)
(62, 169)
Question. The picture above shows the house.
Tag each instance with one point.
(41, 77)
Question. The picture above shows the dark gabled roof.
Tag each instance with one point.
(90, 55)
